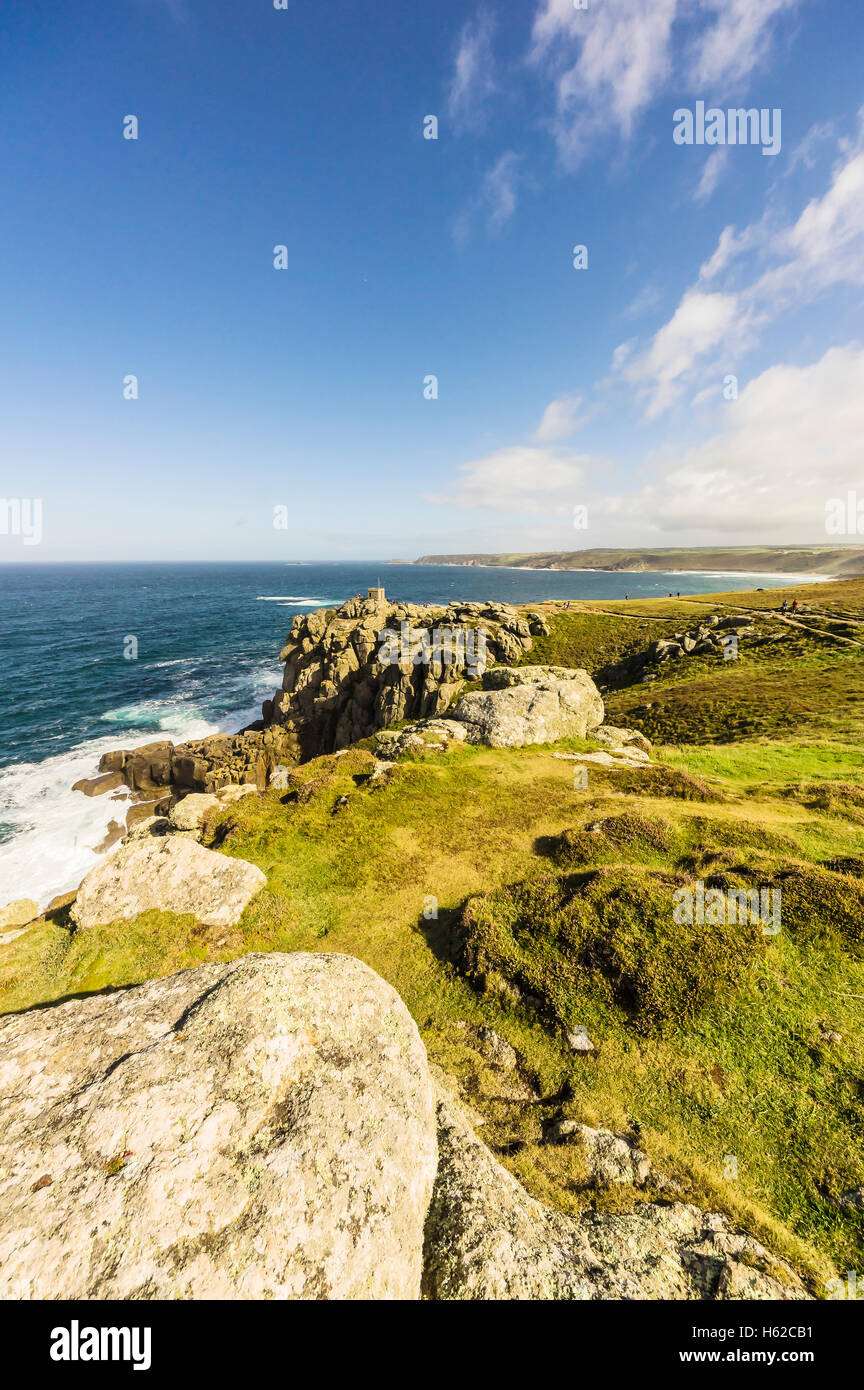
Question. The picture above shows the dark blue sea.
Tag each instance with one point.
(208, 637)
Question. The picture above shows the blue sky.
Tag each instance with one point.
(303, 388)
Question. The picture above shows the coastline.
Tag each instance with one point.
(795, 576)
(53, 836)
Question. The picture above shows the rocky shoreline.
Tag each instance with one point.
(338, 688)
(217, 1123)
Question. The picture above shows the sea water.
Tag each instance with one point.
(207, 638)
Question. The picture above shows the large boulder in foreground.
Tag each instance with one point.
(267, 1129)
(264, 1129)
(534, 704)
(486, 1238)
(173, 874)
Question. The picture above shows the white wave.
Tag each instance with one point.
(295, 601)
(50, 833)
(54, 831)
(753, 574)
(160, 716)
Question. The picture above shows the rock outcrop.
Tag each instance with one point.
(424, 736)
(486, 1238)
(348, 673)
(549, 704)
(168, 874)
(715, 637)
(609, 1158)
(271, 1128)
(344, 680)
(210, 764)
(264, 1129)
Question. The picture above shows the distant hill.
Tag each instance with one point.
(768, 559)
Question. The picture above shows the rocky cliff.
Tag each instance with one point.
(348, 672)
(343, 680)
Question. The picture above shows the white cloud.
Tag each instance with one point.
(793, 440)
(805, 151)
(607, 64)
(712, 172)
(647, 298)
(498, 193)
(473, 80)
(521, 479)
(560, 419)
(731, 244)
(822, 249)
(622, 354)
(728, 51)
(610, 62)
(495, 203)
(701, 322)
(825, 247)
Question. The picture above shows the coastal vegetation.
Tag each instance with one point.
(748, 559)
(503, 897)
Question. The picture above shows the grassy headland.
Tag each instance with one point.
(496, 892)
(764, 559)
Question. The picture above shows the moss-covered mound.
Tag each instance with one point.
(642, 836)
(836, 798)
(823, 908)
(611, 933)
(666, 781)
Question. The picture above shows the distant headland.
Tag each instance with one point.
(842, 560)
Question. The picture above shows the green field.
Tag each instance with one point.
(493, 892)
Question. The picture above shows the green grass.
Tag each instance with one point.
(591, 640)
(752, 763)
(493, 892)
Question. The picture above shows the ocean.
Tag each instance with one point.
(208, 638)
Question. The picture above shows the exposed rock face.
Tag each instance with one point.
(169, 874)
(551, 705)
(203, 765)
(486, 1238)
(622, 740)
(342, 684)
(192, 811)
(427, 735)
(339, 685)
(711, 638)
(98, 786)
(503, 677)
(264, 1129)
(610, 1157)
